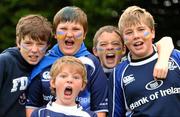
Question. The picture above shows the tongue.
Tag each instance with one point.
(67, 92)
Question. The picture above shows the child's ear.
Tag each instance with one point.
(124, 50)
(83, 86)
(52, 83)
(84, 36)
(17, 43)
(95, 51)
(55, 36)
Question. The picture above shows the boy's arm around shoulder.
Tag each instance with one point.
(164, 47)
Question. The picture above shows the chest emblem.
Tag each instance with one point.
(154, 84)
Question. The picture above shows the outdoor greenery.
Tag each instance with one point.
(99, 13)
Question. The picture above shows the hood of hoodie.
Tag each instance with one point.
(17, 57)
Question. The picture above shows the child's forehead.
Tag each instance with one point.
(30, 39)
(74, 23)
(72, 67)
(109, 36)
(135, 24)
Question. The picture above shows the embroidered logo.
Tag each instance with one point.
(172, 65)
(128, 79)
(46, 75)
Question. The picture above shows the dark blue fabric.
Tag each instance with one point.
(52, 55)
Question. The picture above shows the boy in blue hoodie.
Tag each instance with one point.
(33, 33)
(70, 28)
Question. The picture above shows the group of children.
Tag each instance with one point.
(69, 80)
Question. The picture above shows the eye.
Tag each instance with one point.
(76, 28)
(128, 33)
(116, 43)
(63, 76)
(77, 76)
(102, 44)
(63, 28)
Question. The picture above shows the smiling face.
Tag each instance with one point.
(32, 50)
(68, 83)
(138, 39)
(109, 49)
(70, 36)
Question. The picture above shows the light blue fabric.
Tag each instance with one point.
(52, 55)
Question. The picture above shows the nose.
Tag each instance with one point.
(136, 34)
(69, 80)
(69, 34)
(34, 48)
(109, 47)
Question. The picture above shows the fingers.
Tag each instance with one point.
(160, 71)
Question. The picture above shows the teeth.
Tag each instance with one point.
(138, 43)
(110, 54)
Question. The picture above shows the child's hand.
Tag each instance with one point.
(160, 70)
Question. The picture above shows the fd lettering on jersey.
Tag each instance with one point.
(20, 83)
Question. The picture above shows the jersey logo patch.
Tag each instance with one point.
(128, 79)
(154, 84)
(46, 75)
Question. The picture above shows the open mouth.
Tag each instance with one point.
(68, 91)
(138, 43)
(69, 42)
(33, 57)
(110, 56)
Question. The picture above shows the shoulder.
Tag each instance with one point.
(175, 53)
(122, 65)
(6, 56)
(89, 60)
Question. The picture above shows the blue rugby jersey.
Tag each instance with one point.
(144, 96)
(55, 110)
(94, 97)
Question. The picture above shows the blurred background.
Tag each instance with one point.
(100, 12)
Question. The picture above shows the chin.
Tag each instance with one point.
(33, 63)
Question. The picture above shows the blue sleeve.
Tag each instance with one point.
(118, 105)
(176, 55)
(34, 93)
(98, 88)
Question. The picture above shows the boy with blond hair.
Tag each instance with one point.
(136, 92)
(109, 47)
(68, 78)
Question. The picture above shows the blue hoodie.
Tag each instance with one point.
(52, 55)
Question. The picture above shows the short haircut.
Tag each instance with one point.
(35, 26)
(108, 29)
(56, 67)
(71, 14)
(134, 15)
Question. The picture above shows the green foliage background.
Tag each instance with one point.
(99, 12)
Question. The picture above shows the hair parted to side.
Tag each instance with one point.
(62, 62)
(71, 14)
(35, 26)
(108, 29)
(134, 15)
